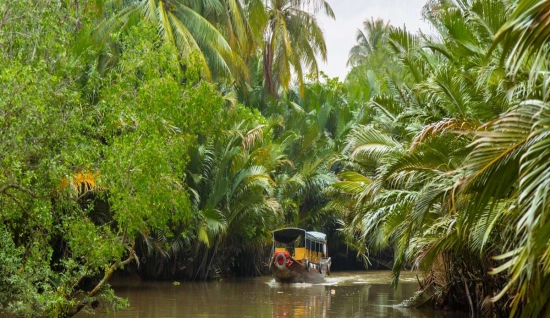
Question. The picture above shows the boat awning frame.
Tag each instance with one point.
(290, 234)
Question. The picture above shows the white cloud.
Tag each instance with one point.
(340, 33)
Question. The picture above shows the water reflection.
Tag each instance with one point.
(342, 295)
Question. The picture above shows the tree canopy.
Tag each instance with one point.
(169, 138)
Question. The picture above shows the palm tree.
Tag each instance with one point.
(230, 17)
(509, 163)
(186, 25)
(524, 36)
(292, 42)
(420, 201)
(373, 36)
(232, 194)
(233, 206)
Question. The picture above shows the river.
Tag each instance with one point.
(344, 294)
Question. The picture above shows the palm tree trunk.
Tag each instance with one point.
(268, 69)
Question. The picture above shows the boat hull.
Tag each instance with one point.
(297, 272)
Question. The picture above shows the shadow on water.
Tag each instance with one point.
(351, 294)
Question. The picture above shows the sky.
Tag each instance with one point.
(340, 33)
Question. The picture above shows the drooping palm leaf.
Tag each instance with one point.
(180, 25)
(525, 36)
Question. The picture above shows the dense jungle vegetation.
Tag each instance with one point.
(173, 136)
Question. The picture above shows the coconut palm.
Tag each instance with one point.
(292, 42)
(212, 30)
(230, 17)
(371, 38)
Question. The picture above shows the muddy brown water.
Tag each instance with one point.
(344, 294)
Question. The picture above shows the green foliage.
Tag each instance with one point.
(186, 27)
(42, 133)
(116, 151)
(126, 134)
(457, 155)
(151, 111)
(292, 41)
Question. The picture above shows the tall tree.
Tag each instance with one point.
(292, 42)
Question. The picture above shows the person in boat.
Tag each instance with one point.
(290, 248)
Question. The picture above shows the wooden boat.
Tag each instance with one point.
(299, 256)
